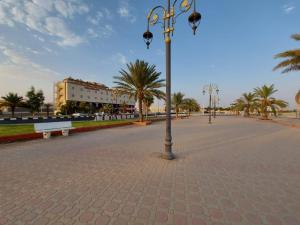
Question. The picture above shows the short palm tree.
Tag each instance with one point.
(12, 100)
(237, 106)
(140, 80)
(191, 105)
(107, 108)
(265, 101)
(148, 101)
(247, 103)
(292, 62)
(177, 102)
(48, 106)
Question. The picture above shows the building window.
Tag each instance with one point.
(81, 89)
(73, 95)
(96, 92)
(88, 97)
(81, 96)
(72, 88)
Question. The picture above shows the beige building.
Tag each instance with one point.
(95, 94)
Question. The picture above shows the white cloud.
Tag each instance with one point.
(69, 8)
(96, 20)
(56, 27)
(288, 8)
(119, 58)
(126, 11)
(44, 16)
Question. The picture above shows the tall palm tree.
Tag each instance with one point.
(265, 101)
(12, 100)
(191, 105)
(140, 80)
(177, 102)
(292, 58)
(247, 103)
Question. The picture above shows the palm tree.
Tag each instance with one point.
(191, 105)
(140, 80)
(177, 102)
(12, 100)
(292, 57)
(237, 106)
(107, 108)
(247, 103)
(148, 101)
(265, 101)
(47, 106)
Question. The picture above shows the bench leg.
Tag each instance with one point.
(46, 135)
(65, 132)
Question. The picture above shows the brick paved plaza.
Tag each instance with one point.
(236, 171)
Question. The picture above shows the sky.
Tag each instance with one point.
(44, 41)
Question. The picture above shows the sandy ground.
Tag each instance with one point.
(236, 171)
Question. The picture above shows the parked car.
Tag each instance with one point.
(78, 114)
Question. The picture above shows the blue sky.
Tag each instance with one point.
(42, 41)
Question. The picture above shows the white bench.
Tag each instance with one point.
(46, 128)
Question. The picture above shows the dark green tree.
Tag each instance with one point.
(35, 100)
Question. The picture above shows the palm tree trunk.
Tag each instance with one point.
(141, 110)
(177, 112)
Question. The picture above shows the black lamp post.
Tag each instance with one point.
(168, 18)
(210, 88)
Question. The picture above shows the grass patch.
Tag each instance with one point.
(7, 129)
(98, 123)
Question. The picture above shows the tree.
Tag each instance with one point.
(148, 101)
(35, 100)
(107, 108)
(69, 108)
(266, 100)
(191, 105)
(48, 106)
(247, 103)
(140, 80)
(12, 100)
(84, 107)
(292, 58)
(123, 107)
(177, 102)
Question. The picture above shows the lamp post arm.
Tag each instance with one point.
(153, 17)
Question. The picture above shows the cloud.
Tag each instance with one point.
(96, 19)
(45, 17)
(19, 72)
(99, 27)
(119, 58)
(288, 8)
(56, 27)
(126, 11)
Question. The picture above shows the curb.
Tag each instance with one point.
(34, 136)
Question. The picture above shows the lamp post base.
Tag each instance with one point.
(168, 156)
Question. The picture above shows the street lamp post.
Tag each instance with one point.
(168, 20)
(211, 89)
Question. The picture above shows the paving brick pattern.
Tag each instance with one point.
(233, 172)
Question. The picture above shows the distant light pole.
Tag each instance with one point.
(168, 20)
(211, 89)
